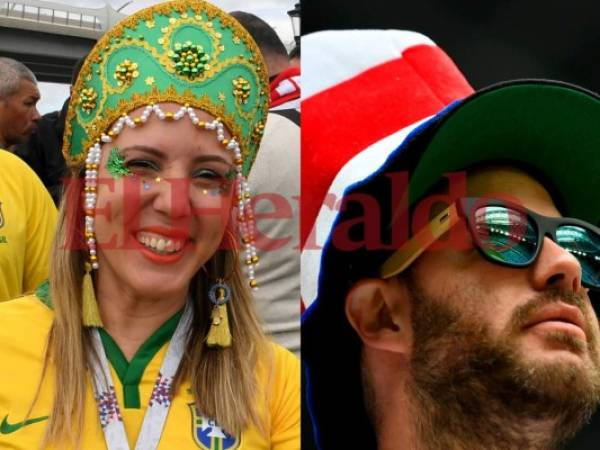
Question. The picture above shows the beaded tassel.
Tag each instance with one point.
(90, 311)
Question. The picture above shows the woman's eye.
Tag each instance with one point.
(141, 164)
(207, 174)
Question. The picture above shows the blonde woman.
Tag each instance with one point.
(145, 336)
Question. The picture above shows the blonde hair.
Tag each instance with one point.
(224, 378)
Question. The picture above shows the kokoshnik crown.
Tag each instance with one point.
(187, 52)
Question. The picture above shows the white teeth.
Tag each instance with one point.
(160, 244)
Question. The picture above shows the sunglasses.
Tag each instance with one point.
(506, 234)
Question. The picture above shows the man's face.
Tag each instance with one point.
(503, 330)
(19, 114)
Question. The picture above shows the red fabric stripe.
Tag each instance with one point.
(343, 120)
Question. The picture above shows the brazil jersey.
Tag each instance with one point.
(24, 326)
(27, 224)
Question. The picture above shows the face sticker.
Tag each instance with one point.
(116, 164)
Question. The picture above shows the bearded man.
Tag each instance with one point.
(454, 307)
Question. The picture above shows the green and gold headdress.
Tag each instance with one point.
(188, 52)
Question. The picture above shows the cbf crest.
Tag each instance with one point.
(208, 435)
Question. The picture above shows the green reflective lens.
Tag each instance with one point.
(506, 235)
(585, 246)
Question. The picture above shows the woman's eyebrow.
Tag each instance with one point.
(158, 154)
(211, 157)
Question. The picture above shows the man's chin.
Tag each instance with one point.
(559, 369)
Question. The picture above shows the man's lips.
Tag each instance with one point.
(559, 316)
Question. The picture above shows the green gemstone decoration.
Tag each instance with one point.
(190, 59)
(116, 164)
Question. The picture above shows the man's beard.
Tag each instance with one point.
(472, 391)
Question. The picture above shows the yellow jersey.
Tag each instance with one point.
(27, 226)
(24, 326)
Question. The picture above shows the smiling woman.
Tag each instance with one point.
(145, 335)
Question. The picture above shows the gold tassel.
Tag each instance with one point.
(91, 314)
(219, 334)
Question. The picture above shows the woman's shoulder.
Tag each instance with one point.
(279, 371)
(284, 358)
(281, 381)
(275, 359)
(24, 320)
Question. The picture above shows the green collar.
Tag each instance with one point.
(43, 293)
(130, 373)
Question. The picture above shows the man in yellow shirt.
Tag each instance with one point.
(27, 223)
(27, 214)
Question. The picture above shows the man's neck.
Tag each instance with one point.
(131, 320)
(425, 423)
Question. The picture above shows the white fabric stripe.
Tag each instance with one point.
(291, 104)
(330, 57)
(285, 87)
(358, 168)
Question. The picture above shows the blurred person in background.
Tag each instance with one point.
(19, 95)
(295, 56)
(42, 151)
(284, 80)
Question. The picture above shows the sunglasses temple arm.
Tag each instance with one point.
(413, 248)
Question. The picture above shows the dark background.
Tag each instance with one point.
(490, 41)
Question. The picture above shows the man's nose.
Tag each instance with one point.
(36, 114)
(556, 268)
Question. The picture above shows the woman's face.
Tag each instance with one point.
(156, 226)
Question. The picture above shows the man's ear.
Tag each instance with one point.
(379, 311)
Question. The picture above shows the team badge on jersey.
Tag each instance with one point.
(1, 216)
(208, 435)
